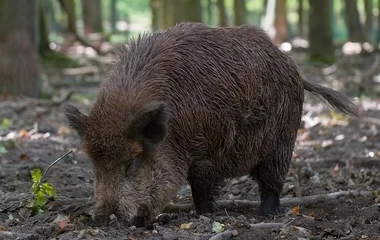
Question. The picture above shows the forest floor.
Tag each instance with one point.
(335, 171)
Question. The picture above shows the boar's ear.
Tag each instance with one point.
(76, 119)
(150, 125)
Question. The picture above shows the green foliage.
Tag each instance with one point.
(5, 124)
(40, 190)
(3, 150)
(52, 59)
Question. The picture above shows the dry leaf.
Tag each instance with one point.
(62, 224)
(63, 130)
(186, 225)
(24, 134)
(296, 210)
(24, 157)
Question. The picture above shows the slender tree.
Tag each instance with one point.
(113, 15)
(178, 11)
(19, 69)
(193, 10)
(154, 6)
(239, 12)
(320, 32)
(222, 13)
(92, 16)
(356, 31)
(280, 22)
(368, 6)
(301, 18)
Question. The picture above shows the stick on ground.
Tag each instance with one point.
(304, 201)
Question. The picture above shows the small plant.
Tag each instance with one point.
(41, 189)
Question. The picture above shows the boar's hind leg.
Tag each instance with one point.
(203, 191)
(270, 174)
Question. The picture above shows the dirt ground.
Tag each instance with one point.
(333, 153)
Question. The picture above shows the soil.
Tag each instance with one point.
(333, 153)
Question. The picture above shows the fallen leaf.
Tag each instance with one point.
(186, 225)
(63, 130)
(62, 224)
(24, 157)
(296, 210)
(24, 134)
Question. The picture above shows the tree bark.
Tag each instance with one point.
(222, 13)
(368, 6)
(239, 12)
(356, 31)
(320, 32)
(92, 16)
(280, 22)
(19, 69)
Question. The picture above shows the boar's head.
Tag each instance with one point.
(132, 175)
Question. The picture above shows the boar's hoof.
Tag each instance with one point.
(138, 221)
(206, 207)
(270, 204)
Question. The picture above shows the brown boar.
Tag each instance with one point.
(197, 104)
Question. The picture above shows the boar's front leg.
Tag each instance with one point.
(203, 188)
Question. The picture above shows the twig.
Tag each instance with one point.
(296, 184)
(52, 164)
(221, 236)
(225, 210)
(267, 225)
(304, 201)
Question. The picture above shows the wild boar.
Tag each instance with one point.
(198, 104)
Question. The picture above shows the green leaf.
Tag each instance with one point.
(48, 189)
(40, 199)
(36, 175)
(5, 124)
(3, 150)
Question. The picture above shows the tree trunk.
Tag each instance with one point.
(113, 17)
(301, 21)
(177, 11)
(19, 70)
(43, 43)
(165, 14)
(209, 11)
(92, 16)
(222, 13)
(154, 6)
(320, 32)
(71, 19)
(193, 9)
(368, 6)
(356, 31)
(239, 12)
(280, 23)
(378, 27)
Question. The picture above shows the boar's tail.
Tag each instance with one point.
(339, 101)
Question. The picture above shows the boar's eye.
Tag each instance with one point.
(133, 166)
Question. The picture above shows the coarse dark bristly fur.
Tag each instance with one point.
(197, 104)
